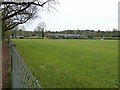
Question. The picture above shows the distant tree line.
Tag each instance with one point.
(92, 33)
(40, 33)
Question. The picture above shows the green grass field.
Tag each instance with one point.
(71, 63)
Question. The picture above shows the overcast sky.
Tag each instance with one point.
(79, 14)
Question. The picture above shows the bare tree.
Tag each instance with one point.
(23, 28)
(42, 26)
(40, 29)
(14, 32)
(37, 30)
(15, 13)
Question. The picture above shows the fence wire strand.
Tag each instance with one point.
(21, 75)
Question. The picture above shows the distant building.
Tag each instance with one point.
(56, 36)
(65, 36)
(20, 37)
(17, 37)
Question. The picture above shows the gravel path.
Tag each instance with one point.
(5, 65)
(0, 67)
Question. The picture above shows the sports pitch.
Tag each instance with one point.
(71, 63)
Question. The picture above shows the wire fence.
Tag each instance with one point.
(21, 76)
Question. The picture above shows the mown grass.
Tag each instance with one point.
(71, 63)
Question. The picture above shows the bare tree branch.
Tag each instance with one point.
(7, 17)
(15, 13)
(24, 3)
